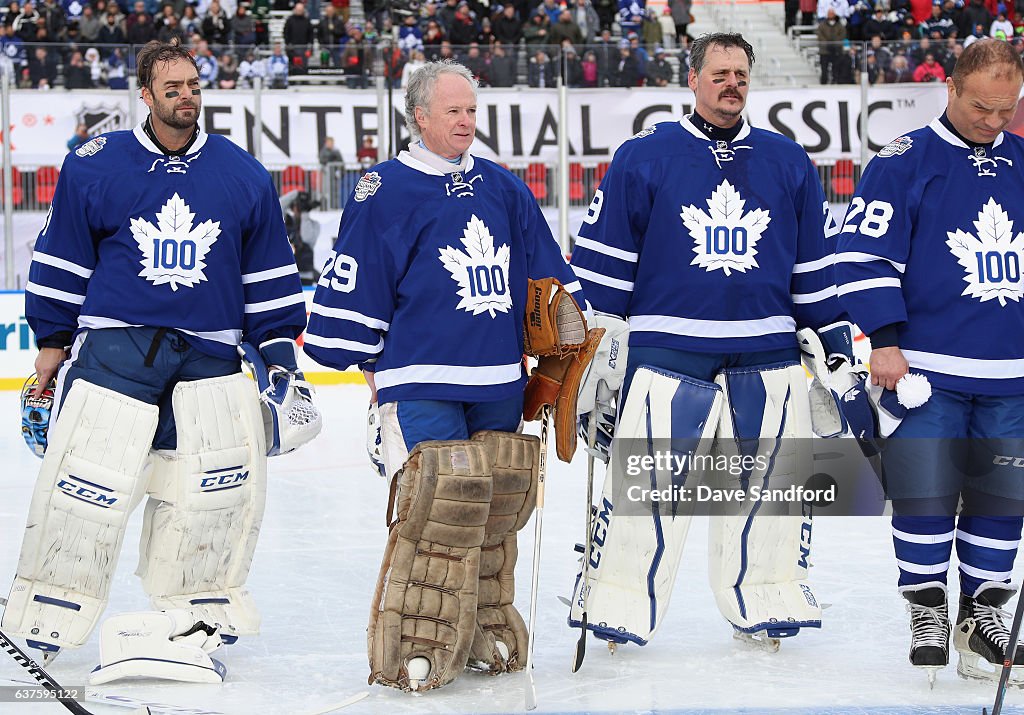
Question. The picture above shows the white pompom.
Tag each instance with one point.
(913, 390)
(419, 669)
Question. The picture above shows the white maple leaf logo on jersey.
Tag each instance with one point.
(173, 251)
(992, 259)
(724, 238)
(480, 271)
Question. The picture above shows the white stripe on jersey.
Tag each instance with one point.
(987, 542)
(597, 247)
(868, 284)
(712, 328)
(349, 315)
(274, 304)
(811, 266)
(965, 367)
(601, 279)
(342, 344)
(47, 259)
(823, 294)
(858, 257)
(983, 574)
(73, 298)
(924, 568)
(448, 374)
(923, 538)
(270, 273)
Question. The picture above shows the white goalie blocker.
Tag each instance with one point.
(94, 473)
(203, 517)
(290, 419)
(758, 554)
(636, 540)
(167, 645)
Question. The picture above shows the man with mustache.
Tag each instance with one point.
(705, 248)
(164, 248)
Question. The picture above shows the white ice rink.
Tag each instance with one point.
(316, 565)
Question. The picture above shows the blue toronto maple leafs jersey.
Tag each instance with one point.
(196, 243)
(709, 246)
(429, 278)
(933, 241)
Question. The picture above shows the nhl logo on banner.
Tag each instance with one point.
(897, 146)
(367, 186)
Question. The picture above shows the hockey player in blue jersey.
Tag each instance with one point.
(707, 245)
(163, 249)
(929, 267)
(426, 291)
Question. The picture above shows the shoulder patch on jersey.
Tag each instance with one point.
(93, 146)
(897, 146)
(644, 132)
(367, 185)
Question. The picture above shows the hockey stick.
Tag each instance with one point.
(531, 686)
(581, 644)
(43, 678)
(1011, 653)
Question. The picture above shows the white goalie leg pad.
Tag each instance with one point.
(206, 503)
(169, 645)
(636, 545)
(92, 477)
(758, 552)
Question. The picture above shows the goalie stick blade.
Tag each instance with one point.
(581, 645)
(343, 704)
(565, 601)
(531, 692)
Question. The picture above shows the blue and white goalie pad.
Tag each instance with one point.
(290, 419)
(35, 414)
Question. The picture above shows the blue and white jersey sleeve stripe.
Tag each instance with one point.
(274, 306)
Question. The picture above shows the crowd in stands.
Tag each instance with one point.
(903, 40)
(82, 44)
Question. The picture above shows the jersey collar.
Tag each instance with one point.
(687, 124)
(427, 163)
(950, 138)
(148, 145)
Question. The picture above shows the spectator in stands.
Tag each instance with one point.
(13, 49)
(537, 33)
(277, 68)
(446, 14)
(477, 64)
(541, 70)
(243, 26)
(831, 33)
(298, 36)
(353, 59)
(141, 30)
(607, 53)
(366, 155)
(432, 39)
(303, 232)
(251, 68)
(642, 58)
(508, 29)
(918, 51)
(585, 17)
(841, 7)
(876, 74)
(53, 21)
(416, 61)
(565, 29)
(463, 29)
(81, 136)
(76, 74)
(571, 66)
(883, 56)
(503, 66)
(684, 61)
(631, 14)
(976, 14)
(952, 56)
(880, 24)
(111, 32)
(216, 25)
(625, 73)
(42, 65)
(606, 11)
(445, 51)
(95, 64)
(329, 153)
(410, 36)
(485, 37)
(27, 23)
(227, 72)
(589, 66)
(207, 65)
(682, 16)
(170, 31)
(659, 71)
(939, 21)
(394, 65)
(1001, 24)
(9, 12)
(650, 31)
(116, 68)
(929, 70)
(847, 66)
(899, 71)
(860, 13)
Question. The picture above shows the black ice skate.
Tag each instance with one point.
(929, 627)
(981, 635)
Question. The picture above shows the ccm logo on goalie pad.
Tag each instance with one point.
(805, 536)
(87, 491)
(601, 524)
(221, 479)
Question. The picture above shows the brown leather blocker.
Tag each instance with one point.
(425, 603)
(556, 382)
(554, 322)
(515, 461)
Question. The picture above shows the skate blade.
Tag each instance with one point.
(974, 668)
(759, 640)
(931, 671)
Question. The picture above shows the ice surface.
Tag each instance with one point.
(317, 563)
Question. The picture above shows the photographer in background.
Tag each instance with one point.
(303, 231)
